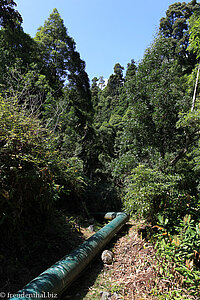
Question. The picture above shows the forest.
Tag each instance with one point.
(69, 147)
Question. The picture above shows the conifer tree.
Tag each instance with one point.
(64, 66)
(9, 17)
(175, 27)
(95, 92)
(131, 70)
(115, 81)
(63, 62)
(53, 40)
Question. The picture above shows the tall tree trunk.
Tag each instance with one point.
(195, 89)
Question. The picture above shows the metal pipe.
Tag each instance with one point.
(52, 282)
(107, 216)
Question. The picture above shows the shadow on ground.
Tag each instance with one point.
(81, 286)
(79, 289)
(30, 251)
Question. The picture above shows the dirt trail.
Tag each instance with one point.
(132, 275)
(135, 274)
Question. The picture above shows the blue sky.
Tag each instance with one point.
(106, 32)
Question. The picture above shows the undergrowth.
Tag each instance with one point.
(178, 254)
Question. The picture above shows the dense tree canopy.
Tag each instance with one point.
(9, 17)
(194, 38)
(175, 27)
(110, 129)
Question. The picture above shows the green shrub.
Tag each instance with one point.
(33, 173)
(148, 191)
(26, 182)
(179, 245)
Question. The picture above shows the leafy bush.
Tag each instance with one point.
(32, 172)
(26, 180)
(148, 191)
(180, 245)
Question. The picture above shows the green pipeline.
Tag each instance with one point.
(54, 281)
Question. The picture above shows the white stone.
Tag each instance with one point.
(107, 257)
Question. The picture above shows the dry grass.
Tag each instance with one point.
(135, 273)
